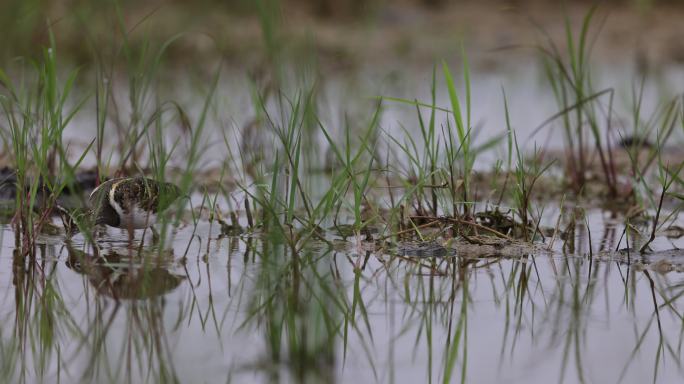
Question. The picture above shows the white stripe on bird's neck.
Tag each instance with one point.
(112, 200)
(136, 218)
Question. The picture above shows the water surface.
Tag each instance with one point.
(242, 309)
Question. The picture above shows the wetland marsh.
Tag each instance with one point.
(459, 219)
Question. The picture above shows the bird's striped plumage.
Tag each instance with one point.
(131, 202)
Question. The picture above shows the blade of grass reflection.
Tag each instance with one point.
(661, 338)
(210, 306)
(452, 345)
(507, 284)
(40, 316)
(428, 329)
(641, 337)
(99, 347)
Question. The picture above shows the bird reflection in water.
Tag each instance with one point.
(117, 274)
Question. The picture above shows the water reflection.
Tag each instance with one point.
(116, 274)
(253, 310)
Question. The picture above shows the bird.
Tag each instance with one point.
(130, 202)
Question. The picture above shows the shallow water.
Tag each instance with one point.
(242, 309)
(351, 98)
(222, 309)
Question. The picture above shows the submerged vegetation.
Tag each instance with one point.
(313, 240)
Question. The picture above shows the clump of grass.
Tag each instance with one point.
(37, 114)
(525, 176)
(458, 148)
(357, 168)
(572, 85)
(667, 175)
(443, 163)
(459, 155)
(643, 155)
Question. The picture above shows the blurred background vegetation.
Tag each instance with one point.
(343, 33)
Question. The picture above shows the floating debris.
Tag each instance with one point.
(424, 249)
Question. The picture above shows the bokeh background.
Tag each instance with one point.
(344, 34)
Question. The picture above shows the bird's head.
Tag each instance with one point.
(73, 220)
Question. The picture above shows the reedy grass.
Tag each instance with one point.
(444, 160)
(440, 165)
(37, 115)
(666, 180)
(572, 85)
(525, 177)
(302, 306)
(463, 130)
(459, 154)
(663, 121)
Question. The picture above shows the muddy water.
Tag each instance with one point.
(239, 309)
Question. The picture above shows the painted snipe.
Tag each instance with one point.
(130, 202)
